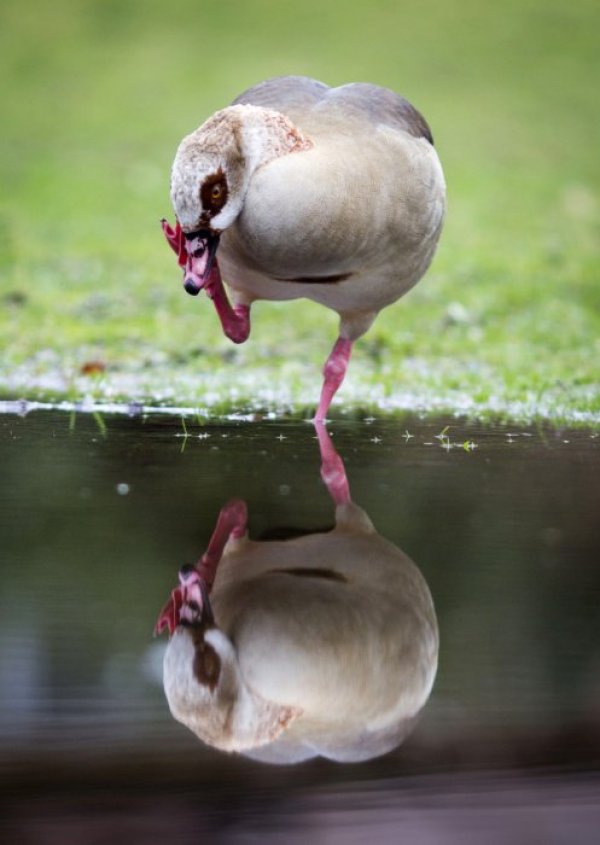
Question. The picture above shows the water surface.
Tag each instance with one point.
(98, 514)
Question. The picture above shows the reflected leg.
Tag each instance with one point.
(189, 601)
(231, 523)
(333, 471)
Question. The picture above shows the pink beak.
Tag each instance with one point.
(196, 254)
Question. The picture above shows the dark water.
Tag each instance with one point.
(99, 513)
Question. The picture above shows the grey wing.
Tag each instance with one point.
(286, 94)
(295, 95)
(380, 105)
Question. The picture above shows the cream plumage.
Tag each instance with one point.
(324, 644)
(301, 190)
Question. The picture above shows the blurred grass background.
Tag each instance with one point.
(95, 97)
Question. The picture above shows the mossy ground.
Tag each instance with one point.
(95, 98)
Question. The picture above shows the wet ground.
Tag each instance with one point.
(99, 511)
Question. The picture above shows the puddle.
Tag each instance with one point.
(99, 512)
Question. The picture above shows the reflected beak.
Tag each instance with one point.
(201, 247)
(195, 606)
(188, 604)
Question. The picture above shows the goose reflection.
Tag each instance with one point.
(324, 644)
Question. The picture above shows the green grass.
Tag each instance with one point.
(95, 98)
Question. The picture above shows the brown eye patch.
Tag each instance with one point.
(213, 192)
(207, 665)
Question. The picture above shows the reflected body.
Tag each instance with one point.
(301, 190)
(324, 644)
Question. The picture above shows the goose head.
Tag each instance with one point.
(203, 683)
(208, 176)
(211, 172)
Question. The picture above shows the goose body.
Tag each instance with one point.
(332, 194)
(324, 644)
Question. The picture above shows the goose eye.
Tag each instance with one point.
(213, 192)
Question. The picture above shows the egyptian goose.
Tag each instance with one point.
(301, 190)
(324, 644)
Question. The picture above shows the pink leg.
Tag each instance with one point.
(231, 522)
(333, 471)
(235, 321)
(333, 372)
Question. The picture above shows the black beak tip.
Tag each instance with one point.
(191, 287)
